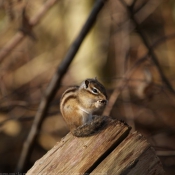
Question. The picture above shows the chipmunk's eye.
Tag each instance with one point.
(94, 91)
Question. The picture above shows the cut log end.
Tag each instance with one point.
(111, 150)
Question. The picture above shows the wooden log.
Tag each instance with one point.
(133, 156)
(110, 151)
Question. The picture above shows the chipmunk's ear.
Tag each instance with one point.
(86, 83)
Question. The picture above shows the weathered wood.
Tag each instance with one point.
(80, 155)
(133, 156)
(111, 151)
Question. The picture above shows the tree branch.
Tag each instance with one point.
(123, 82)
(54, 84)
(19, 36)
(150, 49)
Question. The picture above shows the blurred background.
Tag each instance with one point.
(33, 45)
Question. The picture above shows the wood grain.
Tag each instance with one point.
(134, 156)
(74, 155)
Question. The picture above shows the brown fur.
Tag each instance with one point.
(79, 103)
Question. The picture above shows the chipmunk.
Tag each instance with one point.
(78, 104)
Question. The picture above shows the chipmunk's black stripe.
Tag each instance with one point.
(90, 91)
(66, 99)
(68, 94)
(71, 89)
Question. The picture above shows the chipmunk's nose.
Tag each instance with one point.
(103, 101)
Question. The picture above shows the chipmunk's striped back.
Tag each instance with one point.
(79, 102)
(71, 92)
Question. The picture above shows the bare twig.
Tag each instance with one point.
(140, 15)
(133, 4)
(24, 117)
(122, 83)
(54, 84)
(165, 153)
(12, 104)
(140, 7)
(26, 26)
(162, 39)
(19, 36)
(150, 49)
(155, 44)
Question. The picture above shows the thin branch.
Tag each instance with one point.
(133, 4)
(165, 153)
(9, 105)
(54, 84)
(162, 39)
(26, 118)
(122, 83)
(150, 49)
(140, 7)
(19, 36)
(139, 15)
(154, 45)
